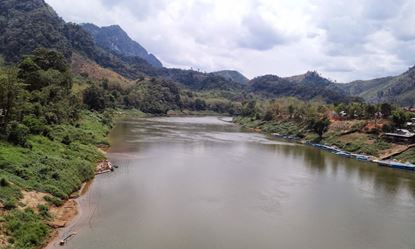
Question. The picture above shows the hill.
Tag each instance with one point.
(26, 25)
(308, 86)
(233, 75)
(117, 40)
(398, 89)
(29, 24)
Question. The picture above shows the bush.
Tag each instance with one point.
(10, 204)
(53, 190)
(66, 140)
(43, 211)
(17, 133)
(36, 125)
(4, 182)
(53, 200)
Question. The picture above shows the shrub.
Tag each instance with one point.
(43, 211)
(17, 133)
(35, 125)
(53, 200)
(66, 140)
(4, 182)
(53, 190)
(10, 204)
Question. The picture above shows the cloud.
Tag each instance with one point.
(343, 39)
(259, 34)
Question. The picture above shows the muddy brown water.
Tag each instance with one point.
(201, 183)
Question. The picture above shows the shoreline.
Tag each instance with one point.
(381, 160)
(71, 207)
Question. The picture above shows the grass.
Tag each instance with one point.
(25, 229)
(283, 127)
(407, 156)
(358, 143)
(56, 164)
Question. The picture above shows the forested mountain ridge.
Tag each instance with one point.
(305, 87)
(29, 24)
(396, 89)
(26, 25)
(116, 39)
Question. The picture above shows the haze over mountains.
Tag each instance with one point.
(28, 24)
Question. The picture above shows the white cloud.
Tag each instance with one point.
(343, 39)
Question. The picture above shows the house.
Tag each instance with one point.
(401, 136)
(410, 109)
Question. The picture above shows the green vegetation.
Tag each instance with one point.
(397, 89)
(47, 142)
(355, 127)
(407, 156)
(49, 132)
(310, 86)
(26, 229)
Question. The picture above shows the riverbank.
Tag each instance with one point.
(345, 137)
(40, 183)
(67, 214)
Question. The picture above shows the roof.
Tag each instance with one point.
(402, 135)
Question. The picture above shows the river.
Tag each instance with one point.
(202, 183)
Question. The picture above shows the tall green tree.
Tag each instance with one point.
(11, 95)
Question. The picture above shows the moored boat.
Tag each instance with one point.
(395, 164)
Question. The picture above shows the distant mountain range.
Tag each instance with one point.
(28, 24)
(233, 75)
(116, 39)
(307, 87)
(397, 89)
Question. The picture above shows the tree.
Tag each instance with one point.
(200, 105)
(370, 111)
(386, 109)
(17, 133)
(400, 117)
(249, 109)
(11, 91)
(44, 68)
(319, 126)
(94, 98)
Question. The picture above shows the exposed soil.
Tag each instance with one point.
(32, 200)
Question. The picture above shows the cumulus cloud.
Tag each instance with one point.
(343, 39)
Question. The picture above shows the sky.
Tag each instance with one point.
(343, 40)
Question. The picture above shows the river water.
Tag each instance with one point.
(201, 183)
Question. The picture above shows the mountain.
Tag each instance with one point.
(232, 75)
(26, 25)
(306, 87)
(117, 40)
(398, 89)
(29, 24)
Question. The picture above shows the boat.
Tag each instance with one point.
(343, 153)
(361, 157)
(395, 164)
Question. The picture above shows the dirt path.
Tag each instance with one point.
(399, 149)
